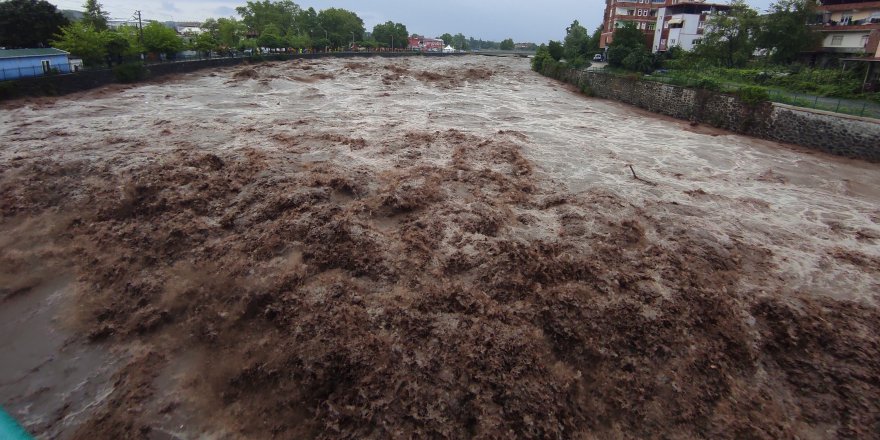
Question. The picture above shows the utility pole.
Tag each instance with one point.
(140, 31)
(392, 42)
(140, 26)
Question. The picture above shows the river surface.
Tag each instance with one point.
(818, 216)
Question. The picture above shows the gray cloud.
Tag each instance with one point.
(168, 6)
(223, 11)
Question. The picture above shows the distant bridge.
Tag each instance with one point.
(505, 53)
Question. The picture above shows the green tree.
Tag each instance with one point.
(459, 41)
(161, 40)
(382, 33)
(341, 26)
(307, 22)
(118, 47)
(507, 44)
(595, 39)
(299, 41)
(211, 25)
(133, 36)
(542, 57)
(629, 49)
(784, 31)
(447, 38)
(205, 42)
(29, 23)
(94, 15)
(728, 38)
(229, 33)
(576, 45)
(555, 50)
(257, 15)
(84, 41)
(271, 37)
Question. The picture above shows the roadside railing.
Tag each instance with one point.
(855, 107)
(74, 68)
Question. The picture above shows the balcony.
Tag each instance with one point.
(843, 5)
(833, 26)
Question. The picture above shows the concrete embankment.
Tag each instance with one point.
(58, 85)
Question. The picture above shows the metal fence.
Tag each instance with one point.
(73, 68)
(855, 107)
(862, 107)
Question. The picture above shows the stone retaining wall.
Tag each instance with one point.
(835, 133)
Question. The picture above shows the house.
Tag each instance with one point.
(424, 44)
(682, 24)
(188, 27)
(848, 28)
(116, 23)
(23, 63)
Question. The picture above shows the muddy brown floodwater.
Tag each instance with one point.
(447, 247)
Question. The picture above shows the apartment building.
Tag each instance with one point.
(642, 12)
(849, 27)
(682, 24)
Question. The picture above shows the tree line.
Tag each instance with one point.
(577, 48)
(268, 24)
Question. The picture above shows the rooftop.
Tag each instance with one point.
(24, 53)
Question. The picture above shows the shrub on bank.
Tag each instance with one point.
(130, 72)
(753, 95)
(707, 84)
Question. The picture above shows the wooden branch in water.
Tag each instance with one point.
(639, 178)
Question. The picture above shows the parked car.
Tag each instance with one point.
(598, 57)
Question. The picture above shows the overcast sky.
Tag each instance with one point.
(524, 21)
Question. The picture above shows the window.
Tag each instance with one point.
(846, 19)
(697, 41)
(672, 41)
(836, 40)
(864, 40)
(652, 26)
(46, 66)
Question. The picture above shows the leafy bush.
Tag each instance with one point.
(753, 95)
(639, 61)
(555, 49)
(542, 56)
(578, 63)
(130, 72)
(707, 84)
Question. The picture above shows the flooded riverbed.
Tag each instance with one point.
(428, 246)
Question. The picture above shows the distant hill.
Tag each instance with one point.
(72, 15)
